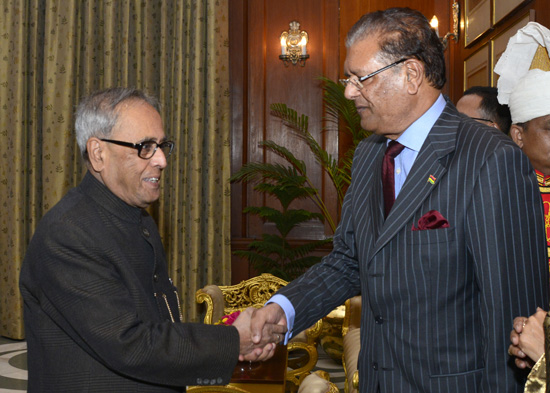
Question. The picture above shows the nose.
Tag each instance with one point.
(351, 92)
(159, 159)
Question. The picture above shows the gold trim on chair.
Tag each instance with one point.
(318, 382)
(351, 334)
(216, 389)
(296, 376)
(254, 292)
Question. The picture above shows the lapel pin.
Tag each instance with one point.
(432, 179)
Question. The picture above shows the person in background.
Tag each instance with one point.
(481, 104)
(100, 310)
(440, 227)
(524, 85)
(530, 107)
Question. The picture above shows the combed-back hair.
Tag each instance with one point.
(403, 33)
(97, 114)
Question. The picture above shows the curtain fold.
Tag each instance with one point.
(53, 52)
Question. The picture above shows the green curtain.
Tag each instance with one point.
(52, 52)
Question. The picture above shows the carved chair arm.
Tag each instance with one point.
(213, 297)
(295, 376)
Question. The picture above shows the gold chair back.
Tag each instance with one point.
(254, 292)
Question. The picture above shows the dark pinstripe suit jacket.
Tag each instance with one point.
(438, 305)
(92, 320)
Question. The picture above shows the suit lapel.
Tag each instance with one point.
(430, 161)
(376, 202)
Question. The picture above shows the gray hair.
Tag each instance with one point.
(403, 33)
(97, 113)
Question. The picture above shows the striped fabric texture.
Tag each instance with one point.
(438, 304)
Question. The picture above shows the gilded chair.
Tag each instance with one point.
(254, 292)
(318, 382)
(352, 343)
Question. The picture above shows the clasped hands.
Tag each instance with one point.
(260, 330)
(527, 339)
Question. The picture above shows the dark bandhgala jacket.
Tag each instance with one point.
(438, 304)
(98, 305)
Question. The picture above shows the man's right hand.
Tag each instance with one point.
(272, 314)
(258, 336)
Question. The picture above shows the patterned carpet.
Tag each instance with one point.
(13, 367)
(335, 370)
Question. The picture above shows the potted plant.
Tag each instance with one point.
(273, 253)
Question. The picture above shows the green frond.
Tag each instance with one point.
(269, 214)
(273, 254)
(286, 194)
(273, 246)
(285, 221)
(293, 218)
(290, 117)
(286, 154)
(254, 170)
(340, 110)
(305, 249)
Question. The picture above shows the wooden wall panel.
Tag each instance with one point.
(297, 87)
(536, 10)
(258, 79)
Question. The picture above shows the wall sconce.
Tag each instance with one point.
(294, 45)
(454, 35)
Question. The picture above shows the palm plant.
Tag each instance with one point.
(341, 111)
(273, 253)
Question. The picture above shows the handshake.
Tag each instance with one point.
(260, 330)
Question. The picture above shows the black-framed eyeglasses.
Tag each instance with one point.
(146, 149)
(357, 81)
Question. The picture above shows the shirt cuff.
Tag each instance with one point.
(289, 311)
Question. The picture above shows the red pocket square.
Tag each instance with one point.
(431, 220)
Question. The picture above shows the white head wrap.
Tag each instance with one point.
(531, 97)
(516, 60)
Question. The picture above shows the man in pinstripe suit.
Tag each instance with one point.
(461, 251)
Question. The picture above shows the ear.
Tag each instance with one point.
(516, 133)
(415, 75)
(95, 154)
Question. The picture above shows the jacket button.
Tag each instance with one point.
(379, 320)
(375, 365)
(155, 277)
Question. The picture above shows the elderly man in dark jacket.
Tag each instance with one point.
(101, 313)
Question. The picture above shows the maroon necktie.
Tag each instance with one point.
(388, 171)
